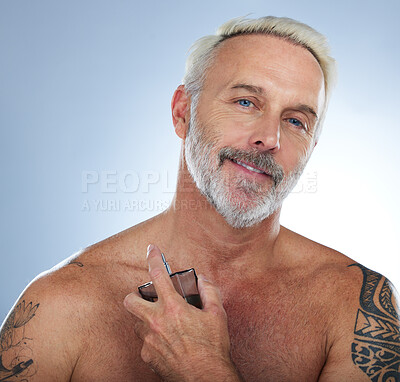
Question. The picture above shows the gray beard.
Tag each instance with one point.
(242, 202)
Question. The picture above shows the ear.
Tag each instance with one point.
(180, 107)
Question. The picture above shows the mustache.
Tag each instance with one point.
(263, 160)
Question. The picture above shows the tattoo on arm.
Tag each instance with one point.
(376, 346)
(15, 349)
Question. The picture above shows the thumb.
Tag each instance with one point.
(210, 295)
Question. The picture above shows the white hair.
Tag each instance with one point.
(204, 50)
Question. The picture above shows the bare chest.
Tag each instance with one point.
(277, 340)
(278, 333)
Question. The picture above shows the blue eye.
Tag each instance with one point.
(295, 122)
(245, 102)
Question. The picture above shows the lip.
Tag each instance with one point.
(251, 165)
(263, 175)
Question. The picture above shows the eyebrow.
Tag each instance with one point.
(260, 91)
(251, 88)
(307, 109)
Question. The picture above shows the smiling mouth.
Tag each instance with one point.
(248, 167)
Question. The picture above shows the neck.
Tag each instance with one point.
(196, 235)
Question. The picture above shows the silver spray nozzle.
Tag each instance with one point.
(166, 264)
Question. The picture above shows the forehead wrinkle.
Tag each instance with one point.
(246, 66)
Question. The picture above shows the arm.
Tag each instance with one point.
(368, 341)
(32, 338)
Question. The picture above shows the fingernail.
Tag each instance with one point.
(126, 303)
(149, 249)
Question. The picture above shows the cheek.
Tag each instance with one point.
(236, 138)
(295, 139)
(293, 150)
(225, 119)
(233, 132)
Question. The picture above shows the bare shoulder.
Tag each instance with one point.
(39, 328)
(346, 283)
(334, 269)
(364, 325)
(52, 323)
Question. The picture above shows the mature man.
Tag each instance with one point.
(278, 306)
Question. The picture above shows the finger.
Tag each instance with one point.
(141, 329)
(158, 273)
(139, 307)
(210, 295)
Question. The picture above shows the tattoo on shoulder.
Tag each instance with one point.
(376, 346)
(15, 348)
(78, 263)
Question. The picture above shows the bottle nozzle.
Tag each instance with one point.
(166, 264)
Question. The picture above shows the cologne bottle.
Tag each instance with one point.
(185, 283)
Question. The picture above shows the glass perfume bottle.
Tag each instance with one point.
(185, 283)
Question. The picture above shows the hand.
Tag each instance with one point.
(180, 341)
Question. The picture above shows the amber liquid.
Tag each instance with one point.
(194, 300)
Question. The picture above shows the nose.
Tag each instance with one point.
(266, 134)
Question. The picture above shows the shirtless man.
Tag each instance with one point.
(277, 306)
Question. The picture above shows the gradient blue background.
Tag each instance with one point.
(86, 86)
